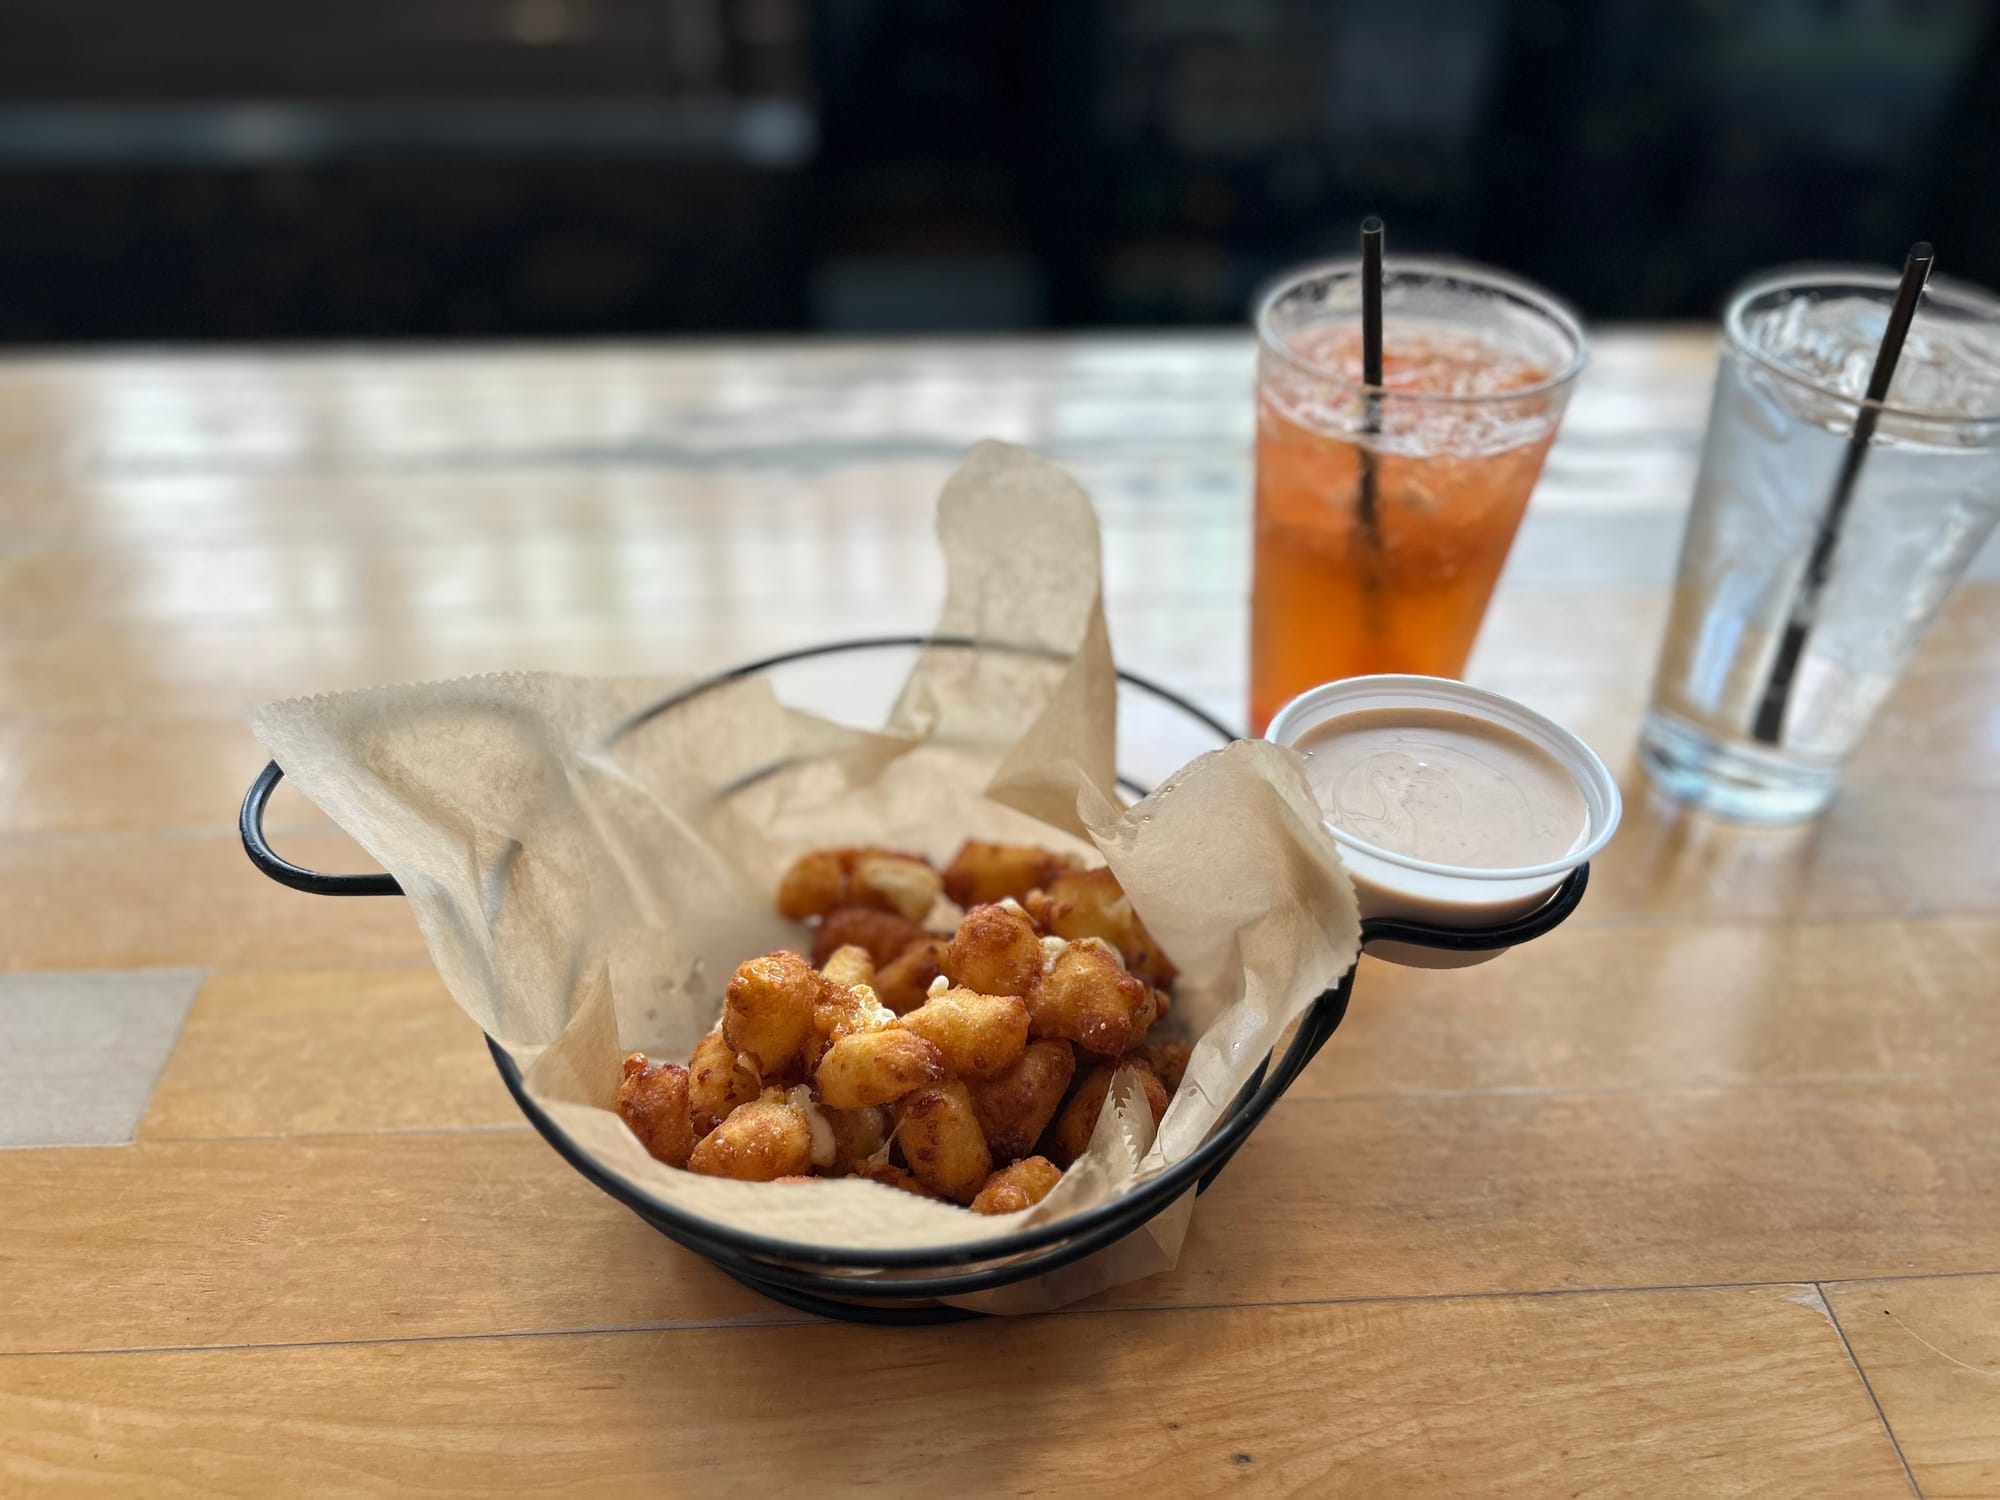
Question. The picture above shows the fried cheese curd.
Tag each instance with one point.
(970, 1066)
(880, 879)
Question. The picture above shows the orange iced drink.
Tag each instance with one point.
(1383, 518)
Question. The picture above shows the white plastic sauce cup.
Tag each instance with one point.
(1460, 897)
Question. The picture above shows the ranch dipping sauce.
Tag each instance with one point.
(1453, 807)
(1444, 786)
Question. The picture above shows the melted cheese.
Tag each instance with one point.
(875, 1015)
(822, 1127)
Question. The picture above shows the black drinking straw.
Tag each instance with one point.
(1769, 725)
(1371, 373)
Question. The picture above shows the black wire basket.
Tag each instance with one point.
(903, 1286)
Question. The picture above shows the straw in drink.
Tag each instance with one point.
(1385, 508)
(1808, 576)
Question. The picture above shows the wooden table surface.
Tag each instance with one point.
(1700, 1195)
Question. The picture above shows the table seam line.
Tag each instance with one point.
(1868, 1386)
(1556, 1291)
(696, 1325)
(667, 1325)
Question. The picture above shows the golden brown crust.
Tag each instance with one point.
(768, 1014)
(1070, 1136)
(839, 1012)
(760, 1141)
(858, 1134)
(976, 1035)
(1086, 998)
(814, 885)
(718, 1081)
(995, 952)
(876, 1067)
(905, 983)
(891, 1175)
(848, 966)
(885, 934)
(922, 1091)
(823, 880)
(653, 1103)
(903, 883)
(1091, 903)
(1168, 1058)
(982, 873)
(1020, 1186)
(940, 1139)
(1015, 1107)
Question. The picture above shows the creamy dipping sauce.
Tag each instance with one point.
(1445, 787)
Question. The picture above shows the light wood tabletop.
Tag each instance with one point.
(1698, 1195)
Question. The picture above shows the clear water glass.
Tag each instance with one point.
(1798, 348)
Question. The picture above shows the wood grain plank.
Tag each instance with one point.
(1583, 1009)
(1683, 1003)
(1669, 1393)
(564, 502)
(472, 1232)
(1194, 635)
(205, 670)
(1940, 721)
(137, 775)
(1931, 1352)
(1943, 845)
(224, 672)
(1411, 1196)
(712, 561)
(118, 901)
(1669, 863)
(329, 1238)
(344, 1051)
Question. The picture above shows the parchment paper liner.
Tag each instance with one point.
(586, 875)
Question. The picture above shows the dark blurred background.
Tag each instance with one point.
(281, 169)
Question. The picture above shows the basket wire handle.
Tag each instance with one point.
(250, 823)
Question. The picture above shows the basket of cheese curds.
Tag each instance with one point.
(905, 1020)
